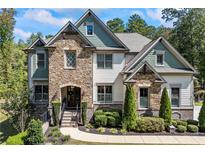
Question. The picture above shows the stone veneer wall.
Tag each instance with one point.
(81, 76)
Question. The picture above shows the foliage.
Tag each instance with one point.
(16, 139)
(192, 128)
(89, 126)
(181, 129)
(202, 117)
(98, 112)
(100, 120)
(113, 131)
(123, 131)
(165, 111)
(101, 130)
(35, 133)
(182, 122)
(149, 125)
(129, 113)
(111, 121)
(65, 138)
(116, 25)
(34, 37)
(84, 112)
(174, 123)
(56, 111)
(192, 122)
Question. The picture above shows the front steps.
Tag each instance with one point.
(69, 119)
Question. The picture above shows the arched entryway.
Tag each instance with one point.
(71, 96)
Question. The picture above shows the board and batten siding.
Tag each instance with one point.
(110, 76)
(186, 88)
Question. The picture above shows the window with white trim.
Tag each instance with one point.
(160, 59)
(89, 29)
(40, 60)
(175, 96)
(144, 97)
(70, 59)
(104, 61)
(41, 92)
(104, 94)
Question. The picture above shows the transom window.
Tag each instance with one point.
(40, 60)
(160, 59)
(70, 59)
(41, 92)
(104, 61)
(175, 97)
(89, 28)
(144, 97)
(104, 94)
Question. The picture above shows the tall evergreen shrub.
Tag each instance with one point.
(202, 117)
(129, 114)
(84, 112)
(56, 111)
(165, 111)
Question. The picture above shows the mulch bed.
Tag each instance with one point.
(164, 133)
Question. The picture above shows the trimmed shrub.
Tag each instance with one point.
(108, 113)
(129, 114)
(165, 111)
(202, 117)
(149, 125)
(98, 112)
(192, 128)
(16, 139)
(193, 122)
(84, 112)
(100, 120)
(35, 133)
(182, 122)
(101, 130)
(113, 131)
(174, 123)
(123, 131)
(111, 121)
(181, 129)
(56, 111)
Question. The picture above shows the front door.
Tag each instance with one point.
(73, 95)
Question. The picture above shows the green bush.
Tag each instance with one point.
(165, 111)
(174, 123)
(149, 125)
(56, 111)
(66, 138)
(113, 131)
(55, 132)
(181, 129)
(84, 112)
(202, 117)
(35, 133)
(192, 122)
(129, 114)
(101, 130)
(123, 131)
(100, 120)
(16, 139)
(111, 121)
(182, 122)
(192, 128)
(108, 113)
(89, 126)
(98, 112)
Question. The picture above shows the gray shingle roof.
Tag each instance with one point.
(134, 41)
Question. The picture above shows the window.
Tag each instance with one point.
(160, 59)
(104, 94)
(89, 28)
(41, 92)
(175, 93)
(144, 97)
(104, 61)
(40, 60)
(70, 59)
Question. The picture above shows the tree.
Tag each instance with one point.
(165, 111)
(48, 36)
(116, 25)
(33, 37)
(129, 114)
(162, 31)
(202, 117)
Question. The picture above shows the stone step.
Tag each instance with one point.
(68, 125)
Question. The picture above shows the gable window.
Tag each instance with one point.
(41, 92)
(160, 59)
(175, 96)
(104, 61)
(40, 60)
(144, 97)
(89, 29)
(104, 94)
(70, 59)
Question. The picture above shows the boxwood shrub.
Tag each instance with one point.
(192, 128)
(149, 124)
(174, 123)
(16, 139)
(100, 120)
(192, 122)
(181, 129)
(182, 122)
(111, 121)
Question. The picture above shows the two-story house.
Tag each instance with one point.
(85, 61)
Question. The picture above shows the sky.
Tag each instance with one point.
(50, 21)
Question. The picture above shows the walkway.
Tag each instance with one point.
(142, 139)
